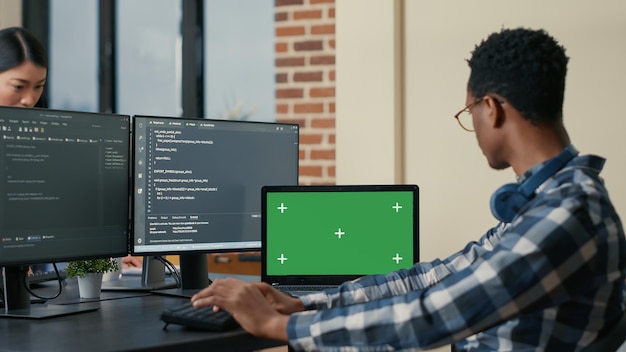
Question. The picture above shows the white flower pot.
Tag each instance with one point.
(114, 275)
(89, 286)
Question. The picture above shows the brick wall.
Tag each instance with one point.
(305, 82)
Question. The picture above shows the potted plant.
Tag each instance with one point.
(89, 274)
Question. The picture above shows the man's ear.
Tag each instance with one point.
(496, 114)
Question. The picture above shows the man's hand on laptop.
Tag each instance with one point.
(255, 307)
(282, 302)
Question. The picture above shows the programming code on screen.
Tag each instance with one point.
(198, 182)
(64, 184)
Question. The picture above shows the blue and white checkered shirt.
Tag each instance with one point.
(552, 279)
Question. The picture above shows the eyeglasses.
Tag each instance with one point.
(464, 117)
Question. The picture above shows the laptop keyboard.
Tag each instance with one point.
(303, 288)
(203, 318)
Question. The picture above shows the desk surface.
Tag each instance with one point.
(123, 322)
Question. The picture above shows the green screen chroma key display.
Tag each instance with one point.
(339, 233)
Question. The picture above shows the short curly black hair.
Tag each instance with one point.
(526, 67)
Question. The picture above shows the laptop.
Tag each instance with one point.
(317, 237)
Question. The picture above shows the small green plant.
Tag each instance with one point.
(81, 267)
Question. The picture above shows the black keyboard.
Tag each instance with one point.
(203, 318)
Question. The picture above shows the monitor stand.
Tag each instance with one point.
(194, 276)
(152, 278)
(17, 299)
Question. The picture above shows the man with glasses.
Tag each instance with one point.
(550, 276)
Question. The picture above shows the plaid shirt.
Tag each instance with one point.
(552, 279)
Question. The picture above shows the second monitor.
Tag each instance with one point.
(197, 186)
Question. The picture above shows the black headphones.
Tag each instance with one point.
(507, 200)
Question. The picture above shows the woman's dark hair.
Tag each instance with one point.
(526, 67)
(17, 45)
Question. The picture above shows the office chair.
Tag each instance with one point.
(612, 340)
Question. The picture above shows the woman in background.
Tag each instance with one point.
(23, 68)
(23, 72)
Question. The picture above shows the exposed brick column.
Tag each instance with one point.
(305, 82)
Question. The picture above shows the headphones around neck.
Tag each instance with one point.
(507, 200)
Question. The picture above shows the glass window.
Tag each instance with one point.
(239, 59)
(73, 61)
(149, 47)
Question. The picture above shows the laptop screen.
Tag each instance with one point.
(340, 232)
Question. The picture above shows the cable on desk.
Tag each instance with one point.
(174, 272)
(59, 279)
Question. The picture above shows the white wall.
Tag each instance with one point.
(445, 161)
(10, 13)
(367, 65)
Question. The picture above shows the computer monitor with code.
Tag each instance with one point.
(197, 186)
(64, 195)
